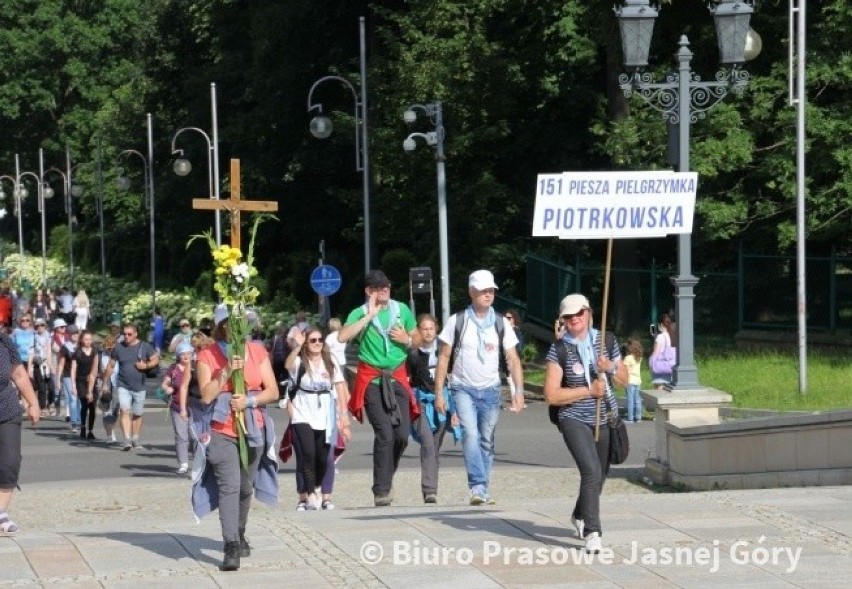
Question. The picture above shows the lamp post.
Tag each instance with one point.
(43, 191)
(148, 174)
(435, 138)
(70, 191)
(321, 128)
(182, 166)
(19, 193)
(683, 99)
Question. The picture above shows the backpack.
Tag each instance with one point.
(151, 372)
(461, 322)
(561, 357)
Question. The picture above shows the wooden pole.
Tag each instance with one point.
(602, 345)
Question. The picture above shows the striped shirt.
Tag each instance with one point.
(574, 375)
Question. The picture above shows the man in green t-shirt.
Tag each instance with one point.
(385, 329)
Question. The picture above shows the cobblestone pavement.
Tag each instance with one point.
(140, 533)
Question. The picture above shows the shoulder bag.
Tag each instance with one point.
(619, 444)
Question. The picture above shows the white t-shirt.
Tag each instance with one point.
(468, 369)
(336, 347)
(309, 407)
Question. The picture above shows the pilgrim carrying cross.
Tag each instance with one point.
(234, 205)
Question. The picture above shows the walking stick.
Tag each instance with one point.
(603, 329)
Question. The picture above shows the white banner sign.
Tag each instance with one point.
(601, 205)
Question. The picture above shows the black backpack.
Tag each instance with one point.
(461, 321)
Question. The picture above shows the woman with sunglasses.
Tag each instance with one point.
(318, 414)
(577, 375)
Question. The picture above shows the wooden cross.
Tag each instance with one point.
(234, 205)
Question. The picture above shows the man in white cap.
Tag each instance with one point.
(470, 355)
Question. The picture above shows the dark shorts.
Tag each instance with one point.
(10, 453)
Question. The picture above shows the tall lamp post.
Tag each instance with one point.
(183, 167)
(19, 193)
(71, 191)
(321, 127)
(148, 174)
(435, 138)
(684, 99)
(43, 192)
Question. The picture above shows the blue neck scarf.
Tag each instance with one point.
(481, 327)
(393, 307)
(585, 349)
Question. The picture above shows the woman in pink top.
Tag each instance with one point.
(235, 484)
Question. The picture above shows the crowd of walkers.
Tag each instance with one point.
(414, 379)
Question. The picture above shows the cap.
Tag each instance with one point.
(573, 303)
(220, 313)
(73, 329)
(59, 323)
(40, 321)
(376, 279)
(183, 348)
(481, 279)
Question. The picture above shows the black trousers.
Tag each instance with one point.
(389, 440)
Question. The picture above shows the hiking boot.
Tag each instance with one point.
(245, 547)
(231, 561)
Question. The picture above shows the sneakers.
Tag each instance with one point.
(128, 446)
(90, 436)
(182, 469)
(580, 525)
(314, 502)
(489, 500)
(430, 498)
(137, 445)
(477, 497)
(593, 543)
(302, 506)
(382, 500)
(327, 505)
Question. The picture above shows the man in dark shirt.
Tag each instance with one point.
(134, 358)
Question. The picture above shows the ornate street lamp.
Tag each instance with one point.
(683, 99)
(435, 139)
(182, 166)
(321, 128)
(148, 173)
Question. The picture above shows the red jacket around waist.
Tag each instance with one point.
(365, 375)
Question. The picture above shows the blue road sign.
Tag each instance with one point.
(325, 280)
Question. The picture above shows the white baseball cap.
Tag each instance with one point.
(220, 313)
(481, 279)
(572, 304)
(59, 323)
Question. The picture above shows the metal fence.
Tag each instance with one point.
(759, 294)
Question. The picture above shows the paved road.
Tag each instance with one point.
(52, 453)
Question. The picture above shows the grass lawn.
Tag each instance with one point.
(767, 380)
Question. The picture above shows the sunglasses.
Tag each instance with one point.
(129, 334)
(572, 315)
(314, 340)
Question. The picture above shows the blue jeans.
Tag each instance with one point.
(478, 410)
(634, 403)
(72, 401)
